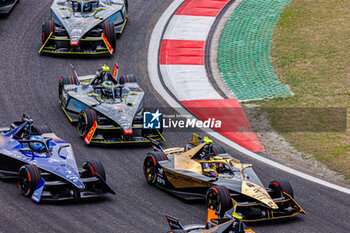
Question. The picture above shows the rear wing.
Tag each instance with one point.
(75, 74)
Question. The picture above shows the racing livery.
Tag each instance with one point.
(45, 165)
(189, 172)
(84, 26)
(231, 223)
(106, 109)
(7, 5)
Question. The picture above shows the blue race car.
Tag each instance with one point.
(45, 165)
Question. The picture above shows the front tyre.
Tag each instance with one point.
(218, 199)
(150, 165)
(95, 167)
(110, 33)
(281, 186)
(47, 28)
(65, 80)
(28, 179)
(86, 119)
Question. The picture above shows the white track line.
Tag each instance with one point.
(152, 66)
(188, 82)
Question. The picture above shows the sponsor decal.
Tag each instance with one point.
(110, 49)
(88, 137)
(160, 180)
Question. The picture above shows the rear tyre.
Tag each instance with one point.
(42, 129)
(281, 186)
(86, 119)
(28, 179)
(218, 199)
(129, 78)
(150, 165)
(47, 28)
(217, 149)
(65, 80)
(95, 167)
(110, 33)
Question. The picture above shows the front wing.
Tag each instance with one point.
(256, 211)
(102, 136)
(61, 191)
(89, 45)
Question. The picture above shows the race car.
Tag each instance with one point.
(45, 167)
(7, 5)
(190, 171)
(84, 26)
(232, 223)
(106, 109)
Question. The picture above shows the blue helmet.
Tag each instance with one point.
(87, 7)
(37, 146)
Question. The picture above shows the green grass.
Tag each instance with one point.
(311, 53)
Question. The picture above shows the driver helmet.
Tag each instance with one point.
(105, 68)
(87, 6)
(108, 88)
(37, 146)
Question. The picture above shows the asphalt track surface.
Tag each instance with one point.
(28, 84)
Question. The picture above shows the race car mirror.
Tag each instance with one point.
(74, 71)
(244, 167)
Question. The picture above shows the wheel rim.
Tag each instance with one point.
(23, 181)
(213, 200)
(149, 169)
(82, 124)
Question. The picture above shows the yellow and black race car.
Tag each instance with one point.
(84, 26)
(106, 109)
(192, 171)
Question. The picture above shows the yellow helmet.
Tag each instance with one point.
(105, 68)
(215, 158)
